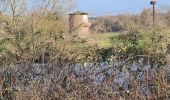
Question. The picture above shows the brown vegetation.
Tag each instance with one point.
(37, 60)
(126, 22)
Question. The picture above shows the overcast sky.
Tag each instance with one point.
(105, 7)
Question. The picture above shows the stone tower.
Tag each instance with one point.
(79, 23)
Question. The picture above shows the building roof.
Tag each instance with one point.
(78, 13)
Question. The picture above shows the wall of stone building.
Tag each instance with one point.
(79, 24)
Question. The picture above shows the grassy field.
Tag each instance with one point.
(102, 40)
(108, 40)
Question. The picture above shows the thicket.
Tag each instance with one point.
(126, 22)
(37, 60)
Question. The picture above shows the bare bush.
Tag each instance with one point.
(114, 80)
(128, 22)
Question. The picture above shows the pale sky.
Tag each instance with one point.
(104, 7)
(112, 7)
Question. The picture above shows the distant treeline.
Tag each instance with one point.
(126, 22)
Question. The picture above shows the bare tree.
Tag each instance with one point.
(44, 22)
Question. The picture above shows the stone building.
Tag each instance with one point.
(79, 23)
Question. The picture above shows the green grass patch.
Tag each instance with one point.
(101, 40)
